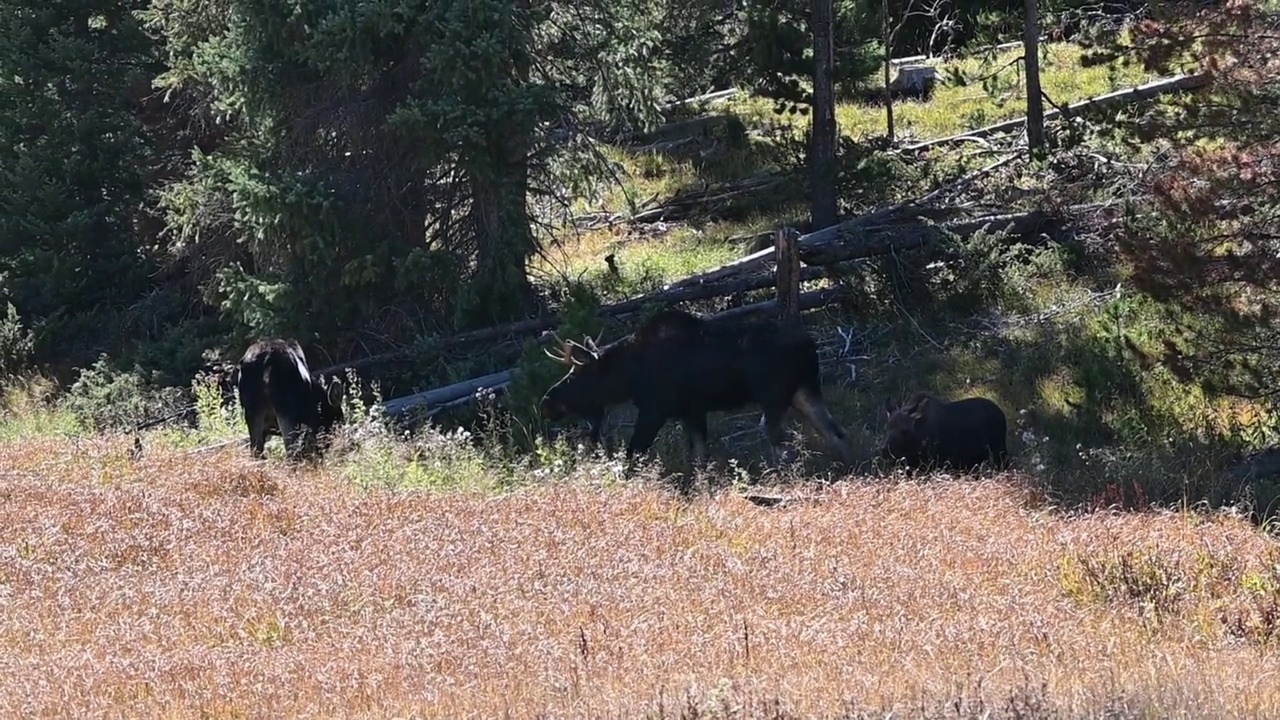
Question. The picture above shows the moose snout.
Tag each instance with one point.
(552, 410)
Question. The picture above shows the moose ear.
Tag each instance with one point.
(334, 391)
(921, 407)
(888, 407)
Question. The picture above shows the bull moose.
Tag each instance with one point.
(680, 366)
(930, 430)
(278, 391)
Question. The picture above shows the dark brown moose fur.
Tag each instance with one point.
(928, 430)
(681, 366)
(278, 392)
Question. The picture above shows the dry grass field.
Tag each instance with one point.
(209, 586)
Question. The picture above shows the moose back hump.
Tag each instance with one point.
(277, 391)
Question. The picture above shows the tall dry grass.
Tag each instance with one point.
(191, 586)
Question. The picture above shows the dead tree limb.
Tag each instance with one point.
(881, 232)
(1133, 94)
(710, 98)
(681, 206)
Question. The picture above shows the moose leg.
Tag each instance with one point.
(771, 425)
(644, 433)
(256, 419)
(1000, 454)
(695, 435)
(597, 437)
(290, 432)
(814, 410)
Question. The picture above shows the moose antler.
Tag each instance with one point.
(565, 353)
(584, 348)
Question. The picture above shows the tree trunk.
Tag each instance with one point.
(504, 240)
(1031, 59)
(822, 149)
(887, 37)
(500, 289)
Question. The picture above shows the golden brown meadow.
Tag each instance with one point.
(185, 586)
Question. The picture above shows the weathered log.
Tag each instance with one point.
(862, 243)
(836, 244)
(680, 206)
(815, 249)
(727, 284)
(1133, 94)
(710, 98)
(447, 394)
(694, 126)
(665, 146)
(812, 245)
(912, 59)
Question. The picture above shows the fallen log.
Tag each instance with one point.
(815, 248)
(680, 206)
(839, 243)
(710, 98)
(692, 127)
(936, 58)
(1133, 94)
(726, 285)
(861, 243)
(718, 282)
(446, 394)
(465, 392)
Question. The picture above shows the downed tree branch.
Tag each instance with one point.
(681, 206)
(726, 285)
(847, 243)
(860, 243)
(448, 393)
(1133, 94)
(692, 127)
(726, 279)
(710, 98)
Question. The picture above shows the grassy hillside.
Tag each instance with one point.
(701, 244)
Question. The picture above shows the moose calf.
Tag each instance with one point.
(680, 366)
(278, 392)
(929, 430)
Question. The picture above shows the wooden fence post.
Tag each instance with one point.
(787, 242)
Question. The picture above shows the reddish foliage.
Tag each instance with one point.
(1206, 234)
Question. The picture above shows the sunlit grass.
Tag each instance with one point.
(652, 178)
(184, 585)
(956, 108)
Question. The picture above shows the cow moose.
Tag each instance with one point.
(930, 430)
(680, 366)
(278, 391)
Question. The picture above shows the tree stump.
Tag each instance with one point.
(787, 241)
(915, 81)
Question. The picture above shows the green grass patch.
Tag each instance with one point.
(648, 177)
(955, 108)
